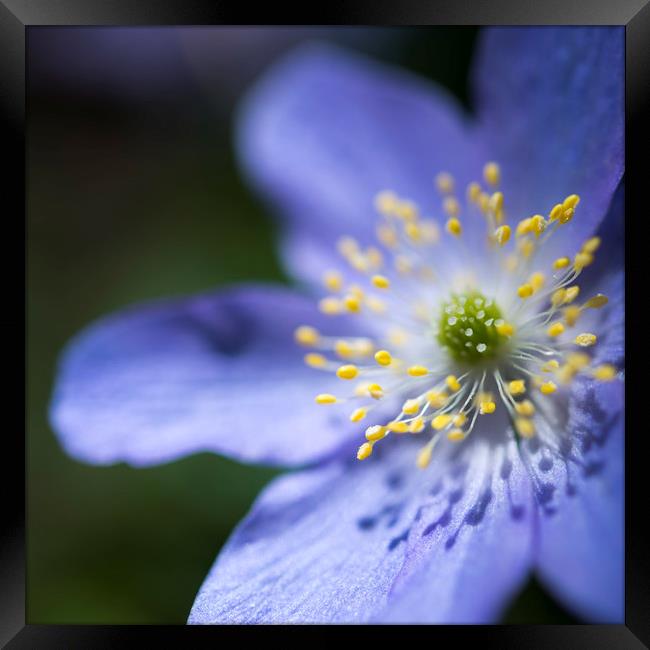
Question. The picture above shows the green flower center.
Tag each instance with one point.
(469, 328)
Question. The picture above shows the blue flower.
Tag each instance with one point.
(511, 458)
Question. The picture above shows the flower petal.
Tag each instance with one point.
(216, 372)
(551, 110)
(580, 546)
(325, 131)
(328, 545)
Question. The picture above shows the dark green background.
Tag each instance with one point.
(133, 197)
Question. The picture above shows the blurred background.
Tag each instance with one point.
(134, 194)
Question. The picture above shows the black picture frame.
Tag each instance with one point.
(17, 16)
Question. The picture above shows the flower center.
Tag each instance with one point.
(469, 326)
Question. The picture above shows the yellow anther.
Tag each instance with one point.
(561, 263)
(555, 329)
(352, 303)
(484, 202)
(558, 297)
(325, 398)
(364, 451)
(505, 329)
(398, 426)
(605, 372)
(585, 339)
(537, 224)
(525, 291)
(597, 301)
(451, 206)
(380, 281)
(347, 246)
(387, 235)
(383, 357)
(436, 399)
(364, 347)
(330, 306)
(555, 212)
(358, 414)
(566, 215)
(551, 366)
(413, 231)
(537, 281)
(571, 294)
(411, 407)
(523, 227)
(315, 360)
(525, 427)
(424, 457)
(376, 432)
(581, 260)
(459, 419)
(492, 173)
(343, 349)
(445, 182)
(333, 280)
(441, 421)
(565, 374)
(571, 314)
(473, 192)
(591, 245)
(502, 235)
(347, 372)
(306, 335)
(452, 383)
(517, 386)
(525, 407)
(577, 360)
(417, 371)
(547, 388)
(496, 202)
(375, 391)
(416, 425)
(453, 227)
(571, 201)
(385, 202)
(487, 407)
(456, 435)
(406, 210)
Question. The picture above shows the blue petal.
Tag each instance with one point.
(338, 544)
(581, 531)
(216, 372)
(551, 108)
(324, 131)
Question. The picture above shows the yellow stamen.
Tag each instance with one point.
(525, 427)
(376, 432)
(452, 383)
(453, 227)
(330, 306)
(561, 263)
(550, 366)
(571, 314)
(417, 371)
(537, 281)
(571, 201)
(577, 360)
(581, 260)
(496, 202)
(352, 303)
(525, 291)
(385, 202)
(456, 435)
(451, 206)
(364, 451)
(333, 280)
(585, 339)
(383, 357)
(473, 192)
(424, 457)
(591, 245)
(411, 407)
(325, 398)
(416, 426)
(398, 427)
(347, 372)
(380, 281)
(502, 235)
(492, 173)
(547, 388)
(459, 419)
(306, 335)
(598, 301)
(555, 212)
(358, 414)
(555, 329)
(487, 408)
(537, 224)
(505, 329)
(571, 294)
(315, 360)
(375, 391)
(441, 421)
(517, 387)
(605, 372)
(526, 407)
(436, 399)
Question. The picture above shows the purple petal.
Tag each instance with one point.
(331, 545)
(216, 372)
(324, 131)
(471, 575)
(581, 538)
(551, 109)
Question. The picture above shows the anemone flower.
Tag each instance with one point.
(451, 401)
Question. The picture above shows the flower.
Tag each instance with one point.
(538, 483)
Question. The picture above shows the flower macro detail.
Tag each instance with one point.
(498, 331)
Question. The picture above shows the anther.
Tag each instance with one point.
(417, 371)
(315, 360)
(452, 383)
(347, 372)
(364, 451)
(383, 357)
(453, 227)
(306, 335)
(555, 329)
(325, 398)
(585, 339)
(358, 414)
(492, 173)
(380, 281)
(547, 388)
(517, 387)
(525, 291)
(502, 234)
(525, 427)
